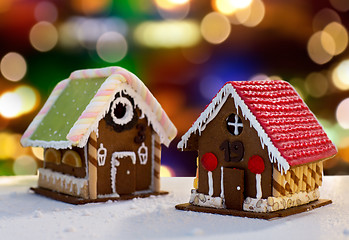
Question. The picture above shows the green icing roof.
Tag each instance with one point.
(67, 109)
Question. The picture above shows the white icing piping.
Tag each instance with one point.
(212, 110)
(128, 114)
(101, 155)
(222, 185)
(258, 186)
(113, 195)
(143, 154)
(152, 160)
(113, 170)
(86, 162)
(210, 183)
(65, 179)
(50, 144)
(115, 163)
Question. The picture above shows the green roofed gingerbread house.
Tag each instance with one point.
(102, 132)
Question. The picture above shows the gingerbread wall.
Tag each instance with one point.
(211, 139)
(124, 140)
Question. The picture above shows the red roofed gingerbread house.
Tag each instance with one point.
(260, 149)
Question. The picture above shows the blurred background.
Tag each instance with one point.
(184, 51)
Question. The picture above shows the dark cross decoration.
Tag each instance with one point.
(234, 124)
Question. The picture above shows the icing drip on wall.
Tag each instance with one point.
(259, 186)
(210, 184)
(222, 185)
(65, 179)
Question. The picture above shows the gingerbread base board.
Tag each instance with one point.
(267, 216)
(77, 201)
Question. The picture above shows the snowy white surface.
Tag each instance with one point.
(24, 215)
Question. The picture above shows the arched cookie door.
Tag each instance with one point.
(233, 183)
(123, 173)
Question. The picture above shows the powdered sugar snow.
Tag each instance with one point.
(26, 215)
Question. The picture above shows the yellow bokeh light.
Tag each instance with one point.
(38, 152)
(29, 97)
(178, 34)
(43, 36)
(229, 7)
(170, 4)
(316, 84)
(166, 171)
(339, 35)
(179, 1)
(25, 165)
(328, 43)
(13, 66)
(316, 50)
(10, 105)
(90, 6)
(342, 113)
(340, 75)
(111, 47)
(7, 145)
(215, 28)
(255, 13)
(243, 15)
(224, 6)
(180, 11)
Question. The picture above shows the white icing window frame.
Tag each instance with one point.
(143, 154)
(128, 112)
(236, 124)
(115, 163)
(101, 156)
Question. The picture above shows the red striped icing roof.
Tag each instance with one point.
(291, 126)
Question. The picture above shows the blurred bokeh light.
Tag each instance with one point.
(13, 66)
(183, 50)
(43, 36)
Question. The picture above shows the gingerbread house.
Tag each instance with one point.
(260, 149)
(101, 130)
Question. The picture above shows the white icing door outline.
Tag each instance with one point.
(115, 163)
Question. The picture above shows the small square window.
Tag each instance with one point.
(234, 124)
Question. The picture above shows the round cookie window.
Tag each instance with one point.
(234, 124)
(122, 111)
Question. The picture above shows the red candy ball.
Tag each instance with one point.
(256, 164)
(209, 161)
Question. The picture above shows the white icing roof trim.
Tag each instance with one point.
(212, 110)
